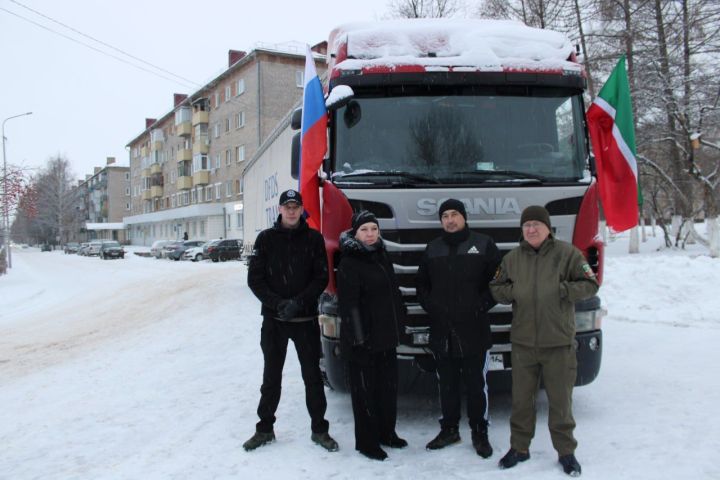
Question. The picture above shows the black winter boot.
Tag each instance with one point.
(512, 458)
(376, 453)
(481, 442)
(258, 440)
(325, 440)
(446, 437)
(393, 441)
(570, 465)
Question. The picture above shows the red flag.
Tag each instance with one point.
(337, 217)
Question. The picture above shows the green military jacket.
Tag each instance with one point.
(542, 287)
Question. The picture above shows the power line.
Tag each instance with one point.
(104, 43)
(139, 67)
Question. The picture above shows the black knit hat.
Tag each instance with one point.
(361, 218)
(537, 213)
(452, 204)
(290, 196)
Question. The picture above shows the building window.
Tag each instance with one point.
(237, 186)
(216, 130)
(208, 193)
(239, 220)
(299, 78)
(127, 176)
(228, 93)
(218, 191)
(127, 206)
(240, 120)
(127, 191)
(228, 188)
(173, 201)
(217, 161)
(240, 153)
(173, 176)
(200, 162)
(194, 196)
(228, 156)
(240, 86)
(227, 124)
(217, 99)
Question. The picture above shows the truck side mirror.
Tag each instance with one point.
(339, 97)
(295, 155)
(296, 119)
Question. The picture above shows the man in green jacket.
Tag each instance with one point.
(542, 279)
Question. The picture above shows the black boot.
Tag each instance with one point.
(481, 442)
(512, 458)
(258, 440)
(393, 441)
(570, 465)
(446, 437)
(375, 453)
(325, 440)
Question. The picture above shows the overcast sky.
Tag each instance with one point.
(88, 106)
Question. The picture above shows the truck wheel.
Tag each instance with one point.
(215, 260)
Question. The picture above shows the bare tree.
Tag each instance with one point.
(55, 206)
(425, 8)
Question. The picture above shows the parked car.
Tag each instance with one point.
(197, 254)
(176, 250)
(224, 250)
(156, 250)
(82, 251)
(45, 247)
(93, 248)
(71, 247)
(111, 249)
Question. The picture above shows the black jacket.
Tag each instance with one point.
(452, 286)
(367, 287)
(288, 264)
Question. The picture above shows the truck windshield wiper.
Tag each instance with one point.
(512, 174)
(406, 176)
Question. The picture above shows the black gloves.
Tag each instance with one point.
(358, 334)
(287, 309)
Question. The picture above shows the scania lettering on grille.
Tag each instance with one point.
(474, 206)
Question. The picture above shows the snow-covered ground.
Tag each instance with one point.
(144, 368)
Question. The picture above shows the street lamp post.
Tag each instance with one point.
(6, 195)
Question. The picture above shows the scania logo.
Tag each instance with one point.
(474, 206)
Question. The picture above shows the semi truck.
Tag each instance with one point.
(485, 111)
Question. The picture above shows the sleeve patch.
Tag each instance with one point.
(588, 271)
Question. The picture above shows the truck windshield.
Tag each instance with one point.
(460, 139)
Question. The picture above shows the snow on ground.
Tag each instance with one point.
(144, 368)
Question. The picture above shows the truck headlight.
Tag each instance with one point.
(589, 320)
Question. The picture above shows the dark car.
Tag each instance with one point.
(224, 250)
(111, 249)
(71, 247)
(45, 247)
(176, 250)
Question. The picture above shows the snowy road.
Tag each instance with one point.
(148, 368)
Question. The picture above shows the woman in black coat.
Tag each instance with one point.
(370, 307)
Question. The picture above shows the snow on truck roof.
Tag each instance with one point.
(449, 44)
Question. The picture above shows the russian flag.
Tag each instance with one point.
(313, 141)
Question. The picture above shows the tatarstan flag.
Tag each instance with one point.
(610, 121)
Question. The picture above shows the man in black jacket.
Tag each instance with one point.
(452, 286)
(287, 273)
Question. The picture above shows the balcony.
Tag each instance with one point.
(184, 183)
(156, 191)
(143, 152)
(201, 178)
(155, 168)
(184, 155)
(183, 129)
(156, 145)
(145, 172)
(146, 195)
(200, 148)
(201, 116)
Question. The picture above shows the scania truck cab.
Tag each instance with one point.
(488, 112)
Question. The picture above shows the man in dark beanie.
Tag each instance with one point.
(542, 279)
(452, 287)
(288, 271)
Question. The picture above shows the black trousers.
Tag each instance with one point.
(452, 373)
(373, 388)
(274, 338)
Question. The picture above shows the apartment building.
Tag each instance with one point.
(103, 202)
(187, 166)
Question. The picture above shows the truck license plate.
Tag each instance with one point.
(496, 362)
